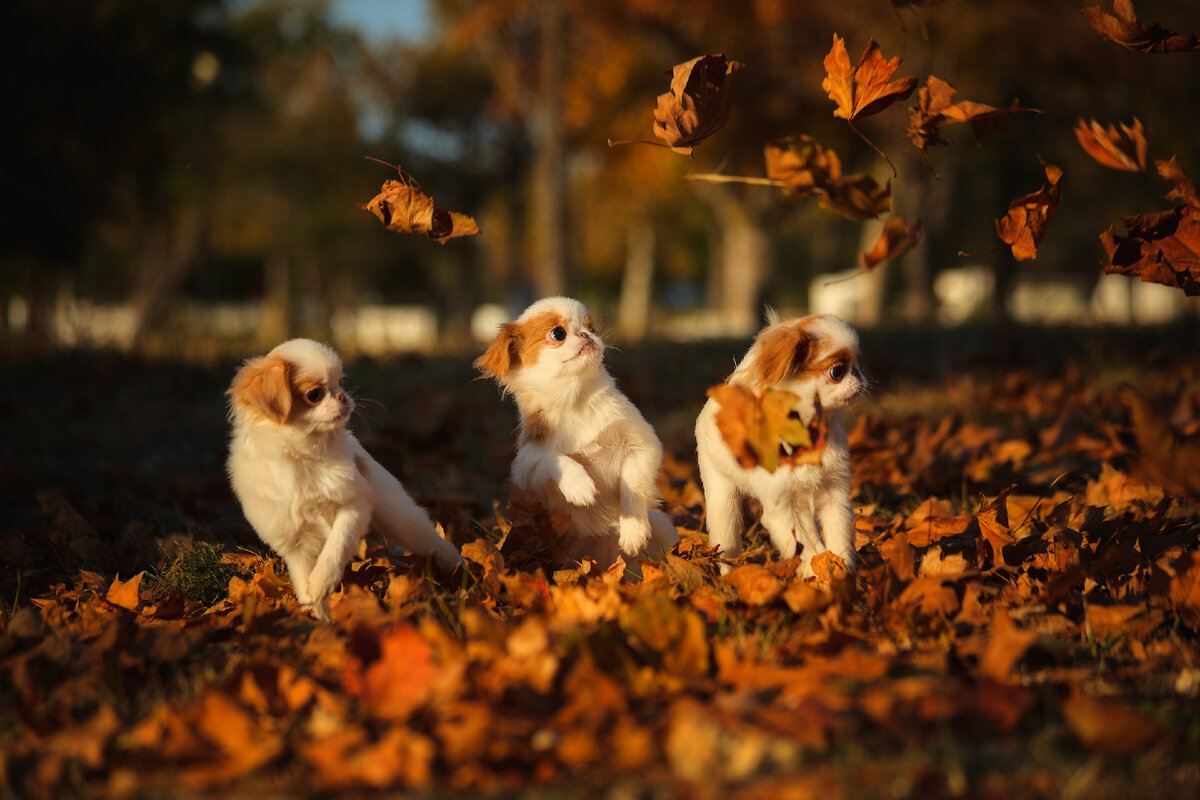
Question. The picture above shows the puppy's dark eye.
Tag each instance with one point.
(559, 334)
(837, 372)
(314, 396)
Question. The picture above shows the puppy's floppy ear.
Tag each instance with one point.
(263, 385)
(782, 353)
(502, 355)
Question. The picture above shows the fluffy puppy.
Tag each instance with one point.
(305, 484)
(584, 449)
(816, 358)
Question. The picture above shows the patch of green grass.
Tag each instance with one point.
(196, 571)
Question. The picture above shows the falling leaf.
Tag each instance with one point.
(403, 208)
(1161, 247)
(800, 165)
(1124, 29)
(1171, 460)
(125, 593)
(935, 106)
(698, 104)
(767, 431)
(865, 88)
(1024, 226)
(896, 238)
(1124, 150)
(1185, 188)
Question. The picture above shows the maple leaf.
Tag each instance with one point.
(1124, 29)
(935, 106)
(1185, 188)
(125, 593)
(403, 208)
(767, 431)
(698, 104)
(896, 238)
(1124, 150)
(1024, 226)
(864, 88)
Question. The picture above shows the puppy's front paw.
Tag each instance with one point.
(576, 485)
(634, 534)
(320, 610)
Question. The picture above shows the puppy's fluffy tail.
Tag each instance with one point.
(399, 518)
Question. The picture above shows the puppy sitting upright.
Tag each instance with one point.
(584, 449)
(306, 485)
(815, 358)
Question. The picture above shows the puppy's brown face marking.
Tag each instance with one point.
(520, 343)
(791, 351)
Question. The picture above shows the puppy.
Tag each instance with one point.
(305, 484)
(583, 448)
(815, 358)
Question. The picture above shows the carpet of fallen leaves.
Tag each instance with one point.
(1025, 621)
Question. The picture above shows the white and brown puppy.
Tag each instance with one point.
(306, 485)
(583, 448)
(816, 358)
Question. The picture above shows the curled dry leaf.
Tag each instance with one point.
(767, 431)
(1124, 150)
(800, 165)
(1024, 226)
(1123, 28)
(896, 238)
(1162, 247)
(403, 208)
(935, 106)
(698, 104)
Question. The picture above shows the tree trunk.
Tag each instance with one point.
(633, 312)
(169, 253)
(276, 322)
(744, 260)
(548, 220)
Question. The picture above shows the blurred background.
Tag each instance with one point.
(184, 177)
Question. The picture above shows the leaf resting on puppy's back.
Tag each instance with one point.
(767, 431)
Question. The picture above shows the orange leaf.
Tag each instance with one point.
(934, 107)
(896, 238)
(803, 167)
(1024, 227)
(1125, 30)
(698, 104)
(1170, 460)
(402, 678)
(1124, 150)
(403, 208)
(756, 585)
(768, 431)
(1006, 645)
(1110, 727)
(865, 88)
(125, 593)
(1161, 247)
(1185, 592)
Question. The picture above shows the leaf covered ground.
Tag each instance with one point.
(1025, 622)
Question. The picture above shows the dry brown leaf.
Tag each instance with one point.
(756, 585)
(1109, 726)
(1024, 226)
(400, 681)
(1123, 28)
(698, 104)
(403, 208)
(935, 106)
(767, 431)
(1170, 459)
(896, 238)
(1124, 149)
(1184, 591)
(865, 87)
(125, 593)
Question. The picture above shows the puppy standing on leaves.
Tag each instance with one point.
(807, 505)
(305, 484)
(584, 448)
